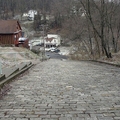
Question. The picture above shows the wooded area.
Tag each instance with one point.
(94, 23)
(9, 8)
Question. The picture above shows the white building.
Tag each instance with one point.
(31, 14)
(52, 40)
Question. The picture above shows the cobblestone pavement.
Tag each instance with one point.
(64, 90)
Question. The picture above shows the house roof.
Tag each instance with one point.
(49, 39)
(9, 26)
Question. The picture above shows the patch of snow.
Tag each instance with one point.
(64, 50)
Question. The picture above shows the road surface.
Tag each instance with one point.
(64, 90)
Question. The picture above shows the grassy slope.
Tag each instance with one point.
(10, 55)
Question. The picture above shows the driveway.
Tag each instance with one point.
(64, 90)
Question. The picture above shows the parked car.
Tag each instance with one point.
(57, 50)
(52, 49)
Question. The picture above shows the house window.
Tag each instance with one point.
(15, 37)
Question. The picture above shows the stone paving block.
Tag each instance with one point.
(92, 118)
(41, 113)
(117, 113)
(65, 118)
(18, 110)
(54, 116)
(49, 119)
(83, 115)
(17, 116)
(31, 116)
(27, 112)
(96, 115)
(116, 106)
(52, 110)
(105, 118)
(57, 107)
(22, 119)
(52, 113)
(45, 116)
(116, 118)
(35, 118)
(77, 118)
(7, 118)
(109, 114)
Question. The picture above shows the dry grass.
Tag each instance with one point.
(83, 56)
(10, 55)
(115, 58)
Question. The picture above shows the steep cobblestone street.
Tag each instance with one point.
(64, 90)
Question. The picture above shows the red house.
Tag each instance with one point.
(10, 32)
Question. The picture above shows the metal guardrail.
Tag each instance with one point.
(15, 58)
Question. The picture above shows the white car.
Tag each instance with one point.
(52, 49)
(47, 49)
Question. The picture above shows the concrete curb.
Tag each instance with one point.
(14, 75)
(117, 65)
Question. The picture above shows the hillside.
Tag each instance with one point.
(10, 56)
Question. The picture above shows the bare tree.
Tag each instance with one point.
(98, 28)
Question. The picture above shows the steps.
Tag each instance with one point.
(10, 73)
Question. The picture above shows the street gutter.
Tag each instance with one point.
(117, 65)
